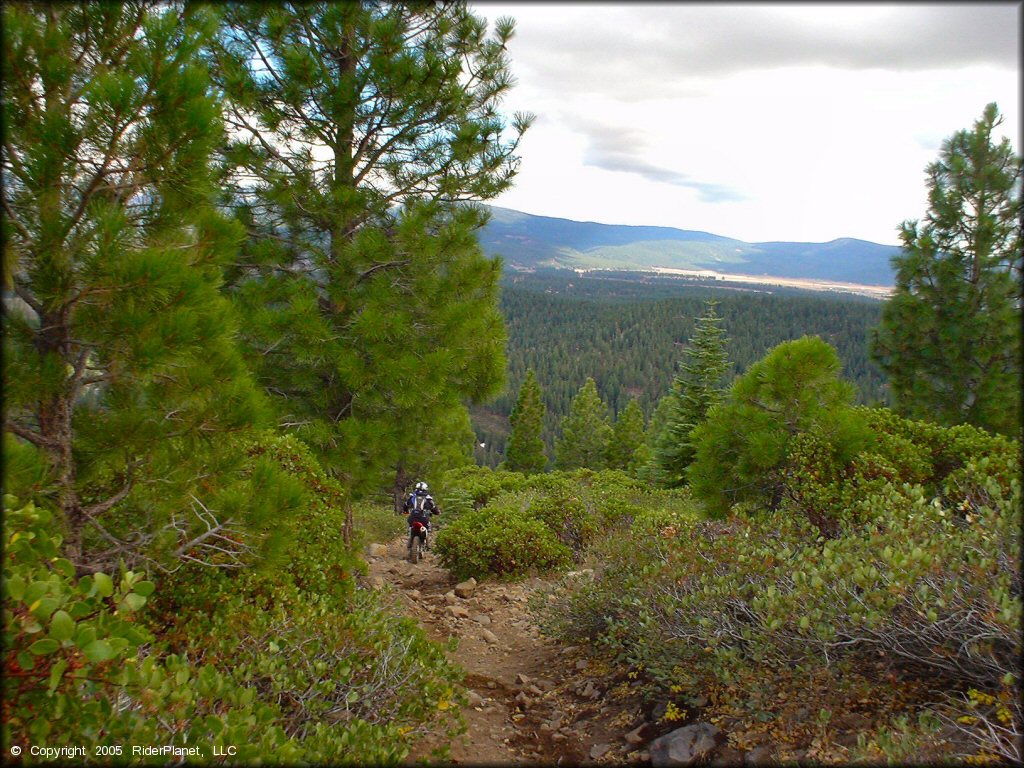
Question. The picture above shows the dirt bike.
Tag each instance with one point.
(417, 540)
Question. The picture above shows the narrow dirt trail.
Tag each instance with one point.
(531, 700)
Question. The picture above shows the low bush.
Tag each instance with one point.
(376, 523)
(572, 509)
(478, 485)
(80, 668)
(288, 661)
(929, 582)
(502, 539)
(353, 682)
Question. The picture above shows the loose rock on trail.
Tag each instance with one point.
(531, 700)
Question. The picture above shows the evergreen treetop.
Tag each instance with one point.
(950, 335)
(696, 388)
(525, 449)
(627, 439)
(585, 431)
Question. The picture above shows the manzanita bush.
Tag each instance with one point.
(520, 523)
(908, 551)
(80, 669)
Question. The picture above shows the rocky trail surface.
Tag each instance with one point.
(531, 700)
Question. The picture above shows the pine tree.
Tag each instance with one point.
(585, 431)
(648, 469)
(696, 388)
(627, 439)
(743, 444)
(443, 442)
(121, 369)
(525, 449)
(365, 128)
(950, 335)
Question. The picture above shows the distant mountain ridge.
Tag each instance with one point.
(527, 241)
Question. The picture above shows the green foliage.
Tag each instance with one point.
(525, 450)
(695, 390)
(585, 431)
(26, 471)
(744, 446)
(82, 669)
(932, 583)
(501, 539)
(474, 487)
(627, 440)
(896, 743)
(951, 333)
(550, 519)
(376, 523)
(120, 363)
(371, 311)
(354, 681)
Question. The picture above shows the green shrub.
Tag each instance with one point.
(933, 455)
(80, 669)
(376, 523)
(931, 587)
(479, 484)
(354, 682)
(624, 559)
(502, 539)
(574, 507)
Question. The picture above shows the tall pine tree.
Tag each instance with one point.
(361, 129)
(525, 449)
(585, 431)
(627, 439)
(696, 388)
(121, 371)
(950, 335)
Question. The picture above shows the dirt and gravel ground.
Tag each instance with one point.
(531, 700)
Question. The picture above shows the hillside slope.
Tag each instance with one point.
(526, 241)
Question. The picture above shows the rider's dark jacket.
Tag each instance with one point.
(425, 509)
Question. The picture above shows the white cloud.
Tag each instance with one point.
(762, 122)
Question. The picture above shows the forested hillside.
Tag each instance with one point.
(529, 241)
(630, 332)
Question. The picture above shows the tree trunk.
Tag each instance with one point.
(54, 417)
(349, 527)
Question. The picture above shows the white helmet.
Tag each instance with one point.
(421, 486)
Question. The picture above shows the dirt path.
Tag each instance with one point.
(530, 700)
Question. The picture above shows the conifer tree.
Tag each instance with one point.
(361, 129)
(648, 469)
(443, 442)
(121, 370)
(743, 445)
(627, 439)
(585, 431)
(525, 449)
(696, 388)
(950, 335)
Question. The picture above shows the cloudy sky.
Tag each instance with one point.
(758, 121)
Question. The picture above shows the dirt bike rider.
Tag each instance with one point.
(420, 505)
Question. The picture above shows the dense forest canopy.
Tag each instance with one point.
(629, 334)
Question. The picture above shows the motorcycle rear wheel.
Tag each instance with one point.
(414, 550)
